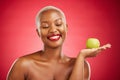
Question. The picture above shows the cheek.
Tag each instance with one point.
(43, 33)
(64, 31)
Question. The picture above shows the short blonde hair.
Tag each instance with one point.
(45, 9)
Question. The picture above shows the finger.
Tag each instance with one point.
(105, 46)
(108, 45)
(101, 48)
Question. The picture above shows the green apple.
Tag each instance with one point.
(92, 43)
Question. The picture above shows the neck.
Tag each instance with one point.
(52, 53)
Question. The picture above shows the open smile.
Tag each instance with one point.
(54, 37)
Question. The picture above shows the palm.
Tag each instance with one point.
(94, 51)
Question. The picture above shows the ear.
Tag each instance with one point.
(66, 27)
(38, 32)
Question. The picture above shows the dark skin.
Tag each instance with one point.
(50, 63)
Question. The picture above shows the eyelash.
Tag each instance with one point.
(48, 26)
(45, 27)
(58, 24)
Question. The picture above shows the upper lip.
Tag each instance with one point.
(51, 35)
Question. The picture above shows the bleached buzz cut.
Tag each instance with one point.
(38, 24)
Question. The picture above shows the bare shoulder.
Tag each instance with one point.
(28, 59)
(19, 68)
(72, 60)
(24, 61)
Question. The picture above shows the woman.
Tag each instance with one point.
(50, 63)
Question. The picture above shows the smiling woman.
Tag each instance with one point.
(52, 26)
(49, 63)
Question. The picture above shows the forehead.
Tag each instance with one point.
(50, 15)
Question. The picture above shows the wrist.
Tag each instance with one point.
(81, 56)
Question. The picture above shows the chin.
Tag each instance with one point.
(55, 45)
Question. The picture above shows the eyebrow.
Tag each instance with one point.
(55, 20)
(44, 22)
(58, 19)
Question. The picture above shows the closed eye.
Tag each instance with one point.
(44, 25)
(58, 25)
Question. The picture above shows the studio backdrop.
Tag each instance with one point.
(85, 19)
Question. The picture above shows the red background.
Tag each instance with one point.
(85, 18)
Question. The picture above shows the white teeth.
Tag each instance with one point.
(54, 37)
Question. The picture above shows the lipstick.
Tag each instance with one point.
(54, 37)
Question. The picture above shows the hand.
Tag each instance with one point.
(94, 51)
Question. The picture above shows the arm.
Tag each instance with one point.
(17, 71)
(81, 70)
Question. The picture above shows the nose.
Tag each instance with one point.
(52, 29)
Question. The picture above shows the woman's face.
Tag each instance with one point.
(53, 29)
